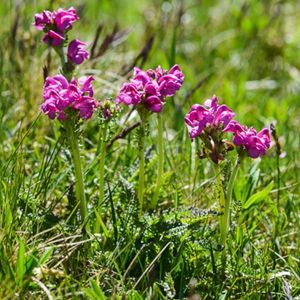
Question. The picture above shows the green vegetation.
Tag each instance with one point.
(247, 53)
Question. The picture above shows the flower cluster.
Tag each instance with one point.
(208, 117)
(211, 120)
(255, 143)
(55, 25)
(149, 88)
(60, 96)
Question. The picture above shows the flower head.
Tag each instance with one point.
(76, 52)
(150, 88)
(256, 144)
(55, 24)
(42, 20)
(169, 82)
(63, 19)
(208, 117)
(129, 94)
(60, 96)
(211, 120)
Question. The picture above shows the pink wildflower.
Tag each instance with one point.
(208, 117)
(169, 82)
(150, 88)
(60, 95)
(76, 52)
(52, 38)
(63, 19)
(256, 144)
(55, 24)
(43, 19)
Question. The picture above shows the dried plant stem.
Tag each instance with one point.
(160, 160)
(79, 185)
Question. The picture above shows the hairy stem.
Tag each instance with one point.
(225, 203)
(221, 197)
(79, 185)
(60, 52)
(160, 160)
(141, 167)
(229, 194)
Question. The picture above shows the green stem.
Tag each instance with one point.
(60, 52)
(160, 160)
(229, 194)
(79, 185)
(67, 68)
(141, 167)
(102, 149)
(221, 197)
(225, 201)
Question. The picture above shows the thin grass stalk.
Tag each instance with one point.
(160, 160)
(102, 147)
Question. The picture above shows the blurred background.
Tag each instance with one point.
(246, 52)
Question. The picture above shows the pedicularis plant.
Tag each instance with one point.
(210, 122)
(147, 91)
(66, 98)
(70, 100)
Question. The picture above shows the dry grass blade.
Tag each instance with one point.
(190, 93)
(123, 133)
(15, 26)
(96, 39)
(152, 263)
(109, 40)
(143, 56)
(43, 287)
(133, 261)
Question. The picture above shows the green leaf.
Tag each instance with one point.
(95, 292)
(258, 197)
(44, 258)
(135, 295)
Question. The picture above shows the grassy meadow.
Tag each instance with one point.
(245, 52)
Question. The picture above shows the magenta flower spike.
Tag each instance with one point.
(210, 122)
(64, 97)
(170, 82)
(256, 144)
(150, 88)
(208, 117)
(147, 91)
(60, 95)
(63, 19)
(42, 20)
(55, 24)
